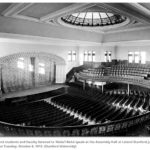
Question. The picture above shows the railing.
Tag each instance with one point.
(72, 71)
(120, 79)
(84, 130)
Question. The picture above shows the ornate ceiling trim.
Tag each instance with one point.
(126, 10)
(63, 11)
(129, 29)
(14, 9)
(26, 39)
(94, 29)
(54, 18)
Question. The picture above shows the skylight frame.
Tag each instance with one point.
(94, 19)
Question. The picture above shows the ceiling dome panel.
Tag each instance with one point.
(93, 16)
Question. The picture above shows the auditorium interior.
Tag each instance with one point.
(75, 69)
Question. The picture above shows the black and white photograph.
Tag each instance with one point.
(74, 69)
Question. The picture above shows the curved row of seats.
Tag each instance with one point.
(129, 70)
(142, 98)
(41, 113)
(75, 108)
(104, 107)
(131, 92)
(37, 114)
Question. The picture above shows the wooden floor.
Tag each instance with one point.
(32, 91)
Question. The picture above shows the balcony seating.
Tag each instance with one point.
(130, 72)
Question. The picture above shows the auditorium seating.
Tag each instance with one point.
(76, 111)
(101, 107)
(38, 113)
(130, 70)
(126, 70)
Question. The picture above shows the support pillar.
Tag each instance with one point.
(84, 82)
(66, 90)
(128, 89)
(102, 88)
(93, 85)
(60, 73)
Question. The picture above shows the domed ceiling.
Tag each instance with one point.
(97, 17)
(94, 17)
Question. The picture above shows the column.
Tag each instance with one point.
(60, 73)
(128, 88)
(102, 88)
(66, 89)
(32, 60)
(1, 82)
(84, 82)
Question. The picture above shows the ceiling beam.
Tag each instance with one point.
(16, 8)
(141, 8)
(66, 10)
(129, 10)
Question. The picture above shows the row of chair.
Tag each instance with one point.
(36, 114)
(100, 109)
(132, 70)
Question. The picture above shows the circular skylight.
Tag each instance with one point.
(93, 19)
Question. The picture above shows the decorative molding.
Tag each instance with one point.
(65, 10)
(18, 38)
(58, 60)
(141, 8)
(24, 6)
(129, 29)
(26, 39)
(128, 43)
(14, 9)
(11, 9)
(125, 12)
(94, 29)
(26, 18)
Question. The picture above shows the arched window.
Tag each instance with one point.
(72, 56)
(89, 56)
(69, 56)
(85, 56)
(137, 57)
(20, 63)
(143, 57)
(41, 68)
(93, 56)
(130, 57)
(107, 56)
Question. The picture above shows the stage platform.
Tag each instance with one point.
(32, 91)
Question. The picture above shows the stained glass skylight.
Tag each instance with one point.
(93, 18)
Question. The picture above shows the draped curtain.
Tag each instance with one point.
(48, 67)
(34, 71)
(32, 59)
(14, 78)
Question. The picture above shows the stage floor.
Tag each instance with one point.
(32, 91)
